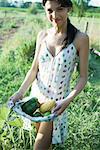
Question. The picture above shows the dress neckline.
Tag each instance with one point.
(71, 44)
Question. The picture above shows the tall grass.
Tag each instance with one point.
(93, 29)
(17, 55)
(83, 113)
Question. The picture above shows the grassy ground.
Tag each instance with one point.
(17, 53)
(18, 16)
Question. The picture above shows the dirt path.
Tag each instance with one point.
(7, 34)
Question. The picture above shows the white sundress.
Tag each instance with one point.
(53, 82)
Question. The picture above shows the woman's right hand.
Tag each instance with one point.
(15, 97)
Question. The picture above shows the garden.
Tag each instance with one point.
(18, 32)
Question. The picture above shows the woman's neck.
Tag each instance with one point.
(60, 29)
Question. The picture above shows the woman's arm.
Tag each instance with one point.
(31, 75)
(83, 48)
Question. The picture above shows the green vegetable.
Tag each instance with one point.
(37, 114)
(30, 106)
(47, 113)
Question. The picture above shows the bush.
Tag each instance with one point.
(15, 60)
(33, 9)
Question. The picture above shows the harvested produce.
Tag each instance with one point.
(37, 114)
(47, 113)
(30, 106)
(47, 106)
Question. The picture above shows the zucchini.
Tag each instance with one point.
(37, 114)
(30, 106)
(47, 113)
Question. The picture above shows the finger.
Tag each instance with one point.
(59, 112)
(56, 109)
(10, 104)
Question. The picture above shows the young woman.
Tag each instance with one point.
(57, 51)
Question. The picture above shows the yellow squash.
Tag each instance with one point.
(47, 106)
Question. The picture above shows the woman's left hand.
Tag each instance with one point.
(61, 105)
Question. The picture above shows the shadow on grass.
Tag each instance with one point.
(94, 67)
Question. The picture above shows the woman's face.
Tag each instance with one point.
(56, 14)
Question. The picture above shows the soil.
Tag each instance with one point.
(7, 34)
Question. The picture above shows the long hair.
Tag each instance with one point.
(63, 3)
(71, 30)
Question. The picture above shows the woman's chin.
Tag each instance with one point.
(58, 25)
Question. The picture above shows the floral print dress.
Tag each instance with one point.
(53, 82)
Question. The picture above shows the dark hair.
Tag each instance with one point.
(63, 3)
(71, 30)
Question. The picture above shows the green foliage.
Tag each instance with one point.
(4, 3)
(13, 9)
(12, 134)
(4, 112)
(17, 122)
(17, 55)
(92, 14)
(36, 8)
(79, 7)
(94, 68)
(39, 5)
(8, 25)
(33, 9)
(15, 60)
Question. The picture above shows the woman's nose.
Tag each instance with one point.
(54, 14)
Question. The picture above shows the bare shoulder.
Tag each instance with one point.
(41, 35)
(82, 40)
(82, 37)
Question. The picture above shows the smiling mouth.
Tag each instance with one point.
(57, 20)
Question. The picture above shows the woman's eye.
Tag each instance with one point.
(60, 9)
(49, 10)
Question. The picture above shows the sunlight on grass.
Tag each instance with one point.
(16, 55)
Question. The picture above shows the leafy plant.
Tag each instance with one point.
(12, 134)
(15, 60)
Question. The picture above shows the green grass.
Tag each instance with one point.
(13, 9)
(92, 14)
(95, 71)
(15, 60)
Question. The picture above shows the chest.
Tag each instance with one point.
(54, 44)
(65, 59)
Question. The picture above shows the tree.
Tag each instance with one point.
(4, 3)
(80, 6)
